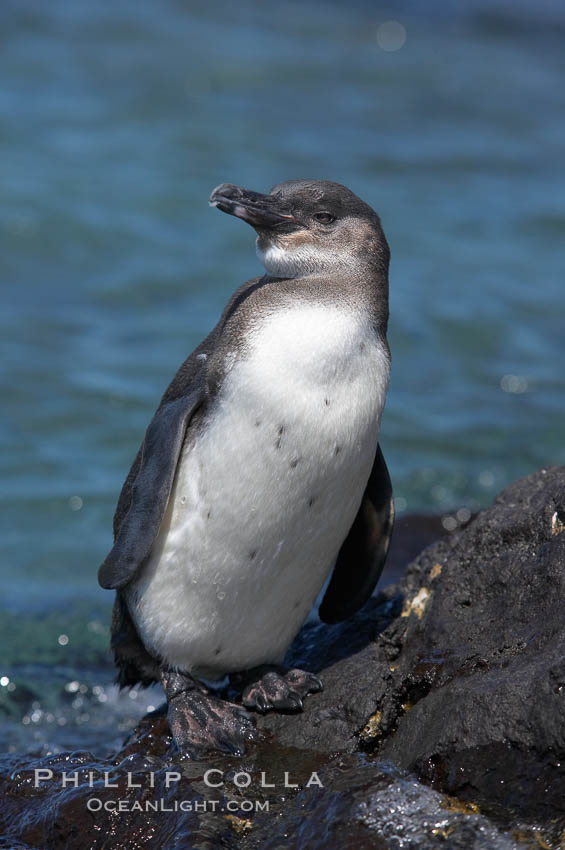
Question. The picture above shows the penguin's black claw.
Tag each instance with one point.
(201, 723)
(304, 682)
(271, 688)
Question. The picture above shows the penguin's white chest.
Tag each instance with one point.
(265, 493)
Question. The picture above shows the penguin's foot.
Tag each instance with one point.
(274, 688)
(202, 723)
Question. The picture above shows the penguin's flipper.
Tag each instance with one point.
(363, 553)
(151, 489)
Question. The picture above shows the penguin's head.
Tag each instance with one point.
(308, 227)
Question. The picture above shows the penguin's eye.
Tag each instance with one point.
(324, 217)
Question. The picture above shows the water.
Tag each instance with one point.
(118, 120)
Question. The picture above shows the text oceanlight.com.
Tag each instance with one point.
(95, 804)
(212, 778)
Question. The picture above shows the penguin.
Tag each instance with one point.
(260, 474)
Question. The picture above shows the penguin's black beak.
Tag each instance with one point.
(260, 211)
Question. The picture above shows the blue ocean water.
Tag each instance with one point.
(118, 120)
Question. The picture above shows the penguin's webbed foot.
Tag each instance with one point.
(201, 722)
(274, 688)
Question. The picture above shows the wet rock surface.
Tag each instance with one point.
(317, 801)
(442, 722)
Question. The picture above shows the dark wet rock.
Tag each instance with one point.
(412, 534)
(354, 802)
(482, 667)
(368, 804)
(466, 687)
(442, 721)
